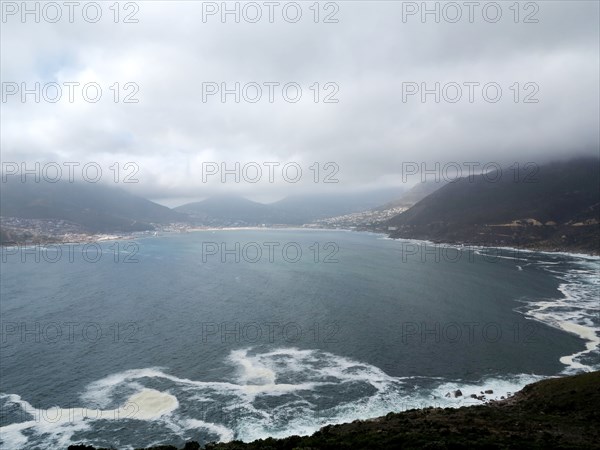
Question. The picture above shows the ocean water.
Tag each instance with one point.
(242, 334)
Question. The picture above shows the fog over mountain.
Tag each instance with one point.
(293, 210)
(96, 208)
(554, 206)
(173, 130)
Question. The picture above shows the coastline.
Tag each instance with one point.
(462, 244)
(88, 238)
(552, 413)
(587, 244)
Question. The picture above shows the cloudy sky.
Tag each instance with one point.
(373, 58)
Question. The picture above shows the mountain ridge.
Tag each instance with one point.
(291, 210)
(557, 210)
(97, 208)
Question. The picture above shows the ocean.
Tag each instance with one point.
(218, 335)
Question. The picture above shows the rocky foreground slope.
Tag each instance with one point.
(557, 413)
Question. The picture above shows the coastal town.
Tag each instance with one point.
(374, 219)
(18, 230)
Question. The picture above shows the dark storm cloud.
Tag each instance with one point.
(369, 54)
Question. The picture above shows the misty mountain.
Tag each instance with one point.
(96, 207)
(556, 205)
(293, 210)
(227, 209)
(414, 195)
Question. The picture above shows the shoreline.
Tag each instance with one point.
(84, 239)
(459, 245)
(551, 413)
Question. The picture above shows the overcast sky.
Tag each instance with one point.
(368, 57)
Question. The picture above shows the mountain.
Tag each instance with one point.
(554, 206)
(293, 210)
(94, 207)
(414, 195)
(314, 207)
(228, 210)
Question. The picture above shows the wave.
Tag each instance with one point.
(277, 393)
(576, 312)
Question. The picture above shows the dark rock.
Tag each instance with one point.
(458, 393)
(193, 445)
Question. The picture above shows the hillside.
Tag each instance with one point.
(557, 208)
(414, 195)
(560, 413)
(228, 210)
(91, 207)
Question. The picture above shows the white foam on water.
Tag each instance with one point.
(275, 393)
(99, 392)
(225, 434)
(503, 386)
(592, 344)
(58, 425)
(309, 369)
(289, 376)
(252, 372)
(150, 404)
(576, 312)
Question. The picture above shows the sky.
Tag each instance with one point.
(330, 95)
